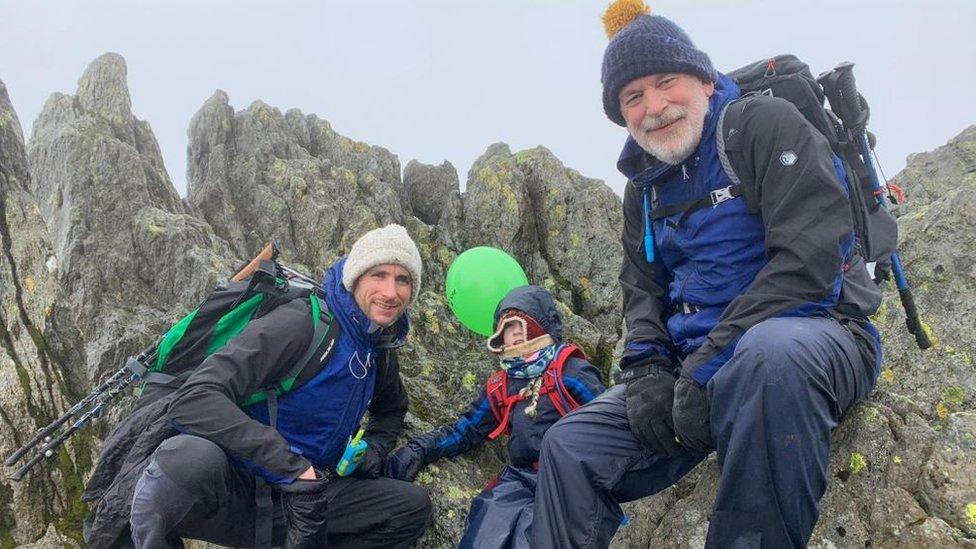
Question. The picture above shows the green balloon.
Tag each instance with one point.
(476, 283)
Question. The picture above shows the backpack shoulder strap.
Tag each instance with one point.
(553, 383)
(496, 387)
(325, 331)
(723, 155)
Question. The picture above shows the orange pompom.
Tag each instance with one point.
(621, 13)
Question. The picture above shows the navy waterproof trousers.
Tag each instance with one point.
(501, 516)
(772, 408)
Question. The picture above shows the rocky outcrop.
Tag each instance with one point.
(124, 242)
(562, 227)
(99, 254)
(261, 175)
(33, 380)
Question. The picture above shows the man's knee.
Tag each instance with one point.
(559, 438)
(190, 460)
(415, 507)
(771, 351)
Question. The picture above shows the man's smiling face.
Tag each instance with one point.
(665, 113)
(383, 292)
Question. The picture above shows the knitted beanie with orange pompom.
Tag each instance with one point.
(642, 44)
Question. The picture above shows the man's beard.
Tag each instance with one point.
(674, 148)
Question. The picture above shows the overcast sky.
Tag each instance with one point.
(442, 80)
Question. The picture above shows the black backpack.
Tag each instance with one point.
(788, 78)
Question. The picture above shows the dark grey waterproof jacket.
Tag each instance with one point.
(781, 248)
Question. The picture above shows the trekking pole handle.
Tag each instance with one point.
(268, 253)
(853, 109)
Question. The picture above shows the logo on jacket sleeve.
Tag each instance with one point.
(788, 158)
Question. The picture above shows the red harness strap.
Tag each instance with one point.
(501, 403)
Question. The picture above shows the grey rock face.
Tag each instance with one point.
(259, 175)
(562, 227)
(122, 238)
(428, 190)
(103, 256)
(33, 385)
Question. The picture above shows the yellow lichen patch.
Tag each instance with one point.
(896, 460)
(585, 284)
(468, 381)
(29, 284)
(156, 230)
(881, 313)
(888, 375)
(433, 325)
(954, 396)
(857, 464)
(621, 13)
(928, 331)
(491, 178)
(971, 514)
(941, 410)
(574, 240)
(559, 212)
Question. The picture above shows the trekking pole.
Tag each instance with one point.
(135, 369)
(93, 403)
(104, 397)
(854, 113)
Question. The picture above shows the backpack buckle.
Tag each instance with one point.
(720, 195)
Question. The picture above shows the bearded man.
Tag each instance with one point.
(745, 299)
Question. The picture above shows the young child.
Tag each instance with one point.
(541, 380)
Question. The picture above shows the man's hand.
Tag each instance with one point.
(406, 462)
(305, 504)
(691, 416)
(372, 464)
(650, 399)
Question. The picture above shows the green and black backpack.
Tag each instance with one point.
(224, 314)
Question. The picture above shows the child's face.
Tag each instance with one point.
(513, 334)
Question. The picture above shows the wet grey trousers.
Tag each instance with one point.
(191, 490)
(773, 406)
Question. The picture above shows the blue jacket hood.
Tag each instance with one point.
(353, 320)
(537, 303)
(633, 159)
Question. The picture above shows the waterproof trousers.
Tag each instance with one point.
(191, 490)
(501, 516)
(772, 408)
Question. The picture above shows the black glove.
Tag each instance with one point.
(650, 399)
(406, 461)
(305, 504)
(691, 416)
(373, 462)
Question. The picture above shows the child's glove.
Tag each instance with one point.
(407, 461)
